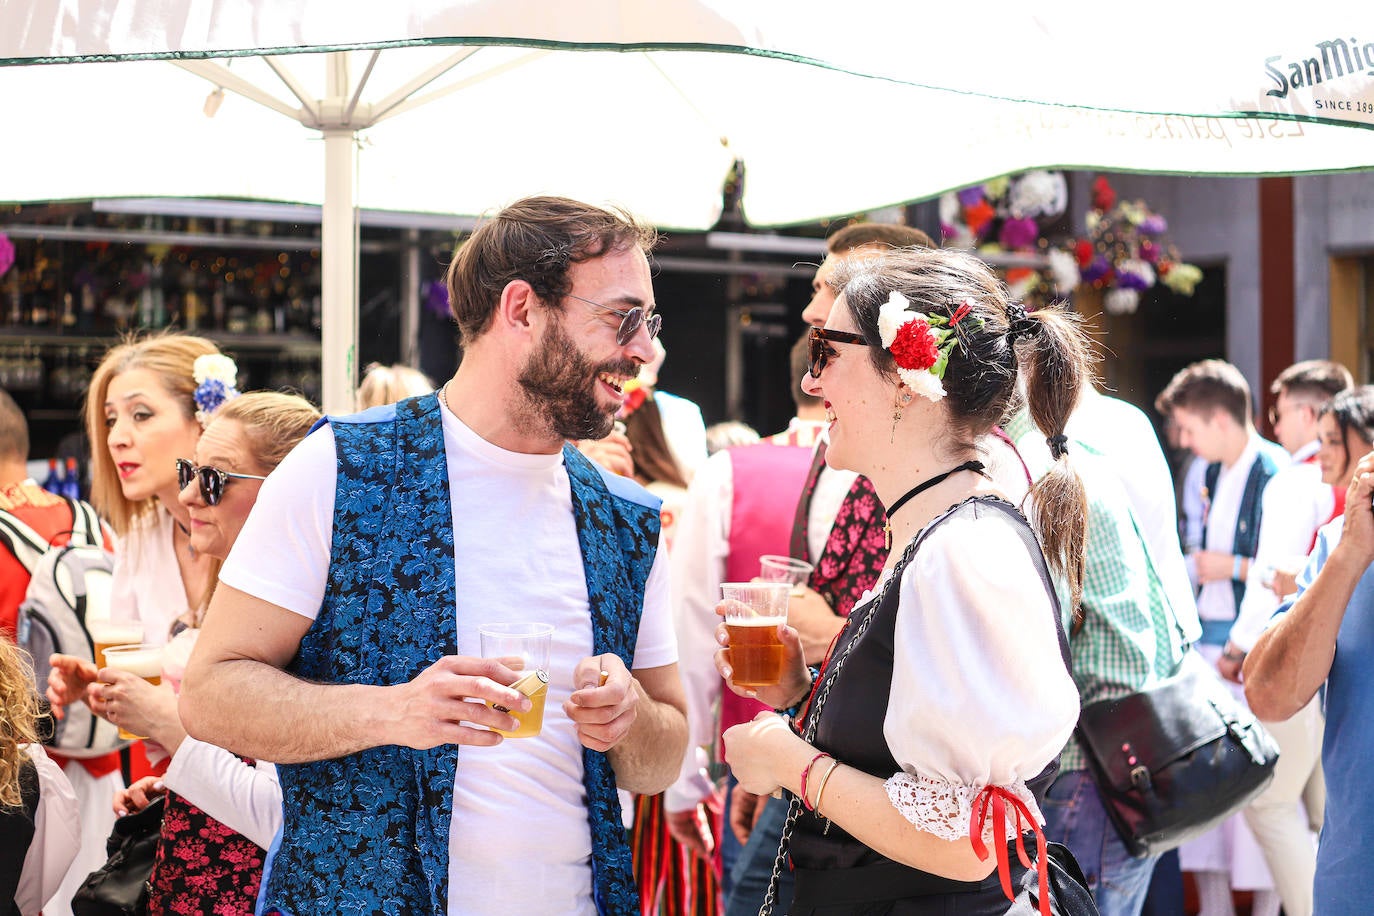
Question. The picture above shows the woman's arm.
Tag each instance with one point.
(243, 797)
(766, 754)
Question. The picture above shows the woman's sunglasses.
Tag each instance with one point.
(212, 480)
(629, 321)
(821, 351)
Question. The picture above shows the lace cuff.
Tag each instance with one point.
(944, 809)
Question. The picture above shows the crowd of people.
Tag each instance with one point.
(990, 545)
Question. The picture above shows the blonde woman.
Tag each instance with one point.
(222, 811)
(144, 408)
(40, 829)
(389, 384)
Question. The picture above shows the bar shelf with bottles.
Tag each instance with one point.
(82, 280)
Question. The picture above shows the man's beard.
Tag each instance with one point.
(559, 384)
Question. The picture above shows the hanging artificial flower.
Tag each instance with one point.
(1181, 278)
(6, 253)
(216, 376)
(920, 344)
(1121, 301)
(1104, 197)
(1063, 271)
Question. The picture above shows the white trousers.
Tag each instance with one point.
(1284, 818)
(96, 797)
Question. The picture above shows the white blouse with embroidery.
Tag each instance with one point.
(980, 695)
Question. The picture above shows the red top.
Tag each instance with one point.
(50, 517)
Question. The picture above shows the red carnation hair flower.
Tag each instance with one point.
(914, 346)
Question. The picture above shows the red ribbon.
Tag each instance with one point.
(959, 313)
(997, 798)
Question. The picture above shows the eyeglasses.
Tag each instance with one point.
(212, 480)
(1275, 416)
(629, 321)
(821, 351)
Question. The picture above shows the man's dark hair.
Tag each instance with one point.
(1206, 387)
(799, 363)
(1317, 380)
(859, 235)
(536, 240)
(14, 429)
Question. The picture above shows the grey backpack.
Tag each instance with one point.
(69, 584)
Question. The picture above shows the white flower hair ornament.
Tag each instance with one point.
(215, 375)
(920, 344)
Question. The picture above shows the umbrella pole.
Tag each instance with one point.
(339, 263)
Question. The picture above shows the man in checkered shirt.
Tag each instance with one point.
(1136, 619)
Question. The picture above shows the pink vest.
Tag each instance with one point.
(766, 481)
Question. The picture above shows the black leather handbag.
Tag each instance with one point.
(120, 886)
(1174, 760)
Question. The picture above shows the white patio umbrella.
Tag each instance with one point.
(459, 107)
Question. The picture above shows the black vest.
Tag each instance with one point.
(851, 721)
(16, 826)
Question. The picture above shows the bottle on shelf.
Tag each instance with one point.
(53, 482)
(71, 481)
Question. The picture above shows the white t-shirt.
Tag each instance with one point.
(519, 810)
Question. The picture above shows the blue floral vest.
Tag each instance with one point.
(369, 833)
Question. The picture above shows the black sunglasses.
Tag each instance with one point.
(821, 351)
(629, 320)
(212, 480)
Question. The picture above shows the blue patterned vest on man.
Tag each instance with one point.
(369, 833)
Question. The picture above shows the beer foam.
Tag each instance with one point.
(755, 621)
(114, 633)
(144, 663)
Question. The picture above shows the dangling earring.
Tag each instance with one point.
(897, 415)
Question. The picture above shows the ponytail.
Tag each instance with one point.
(1058, 365)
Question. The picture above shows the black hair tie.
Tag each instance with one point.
(1020, 324)
(1059, 446)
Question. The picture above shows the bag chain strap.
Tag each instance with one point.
(813, 716)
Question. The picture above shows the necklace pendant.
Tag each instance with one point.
(887, 535)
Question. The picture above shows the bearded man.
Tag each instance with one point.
(343, 638)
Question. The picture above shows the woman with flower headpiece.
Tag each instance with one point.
(920, 748)
(144, 409)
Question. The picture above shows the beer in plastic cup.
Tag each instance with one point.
(752, 621)
(531, 644)
(143, 660)
(776, 568)
(107, 633)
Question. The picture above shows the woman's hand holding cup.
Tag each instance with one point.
(761, 656)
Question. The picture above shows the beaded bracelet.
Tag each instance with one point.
(795, 709)
(806, 772)
(820, 790)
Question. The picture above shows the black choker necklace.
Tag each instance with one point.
(975, 466)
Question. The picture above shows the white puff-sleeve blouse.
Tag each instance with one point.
(980, 694)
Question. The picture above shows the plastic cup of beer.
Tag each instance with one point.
(143, 660)
(776, 568)
(107, 633)
(752, 619)
(525, 647)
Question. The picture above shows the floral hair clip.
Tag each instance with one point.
(920, 344)
(216, 376)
